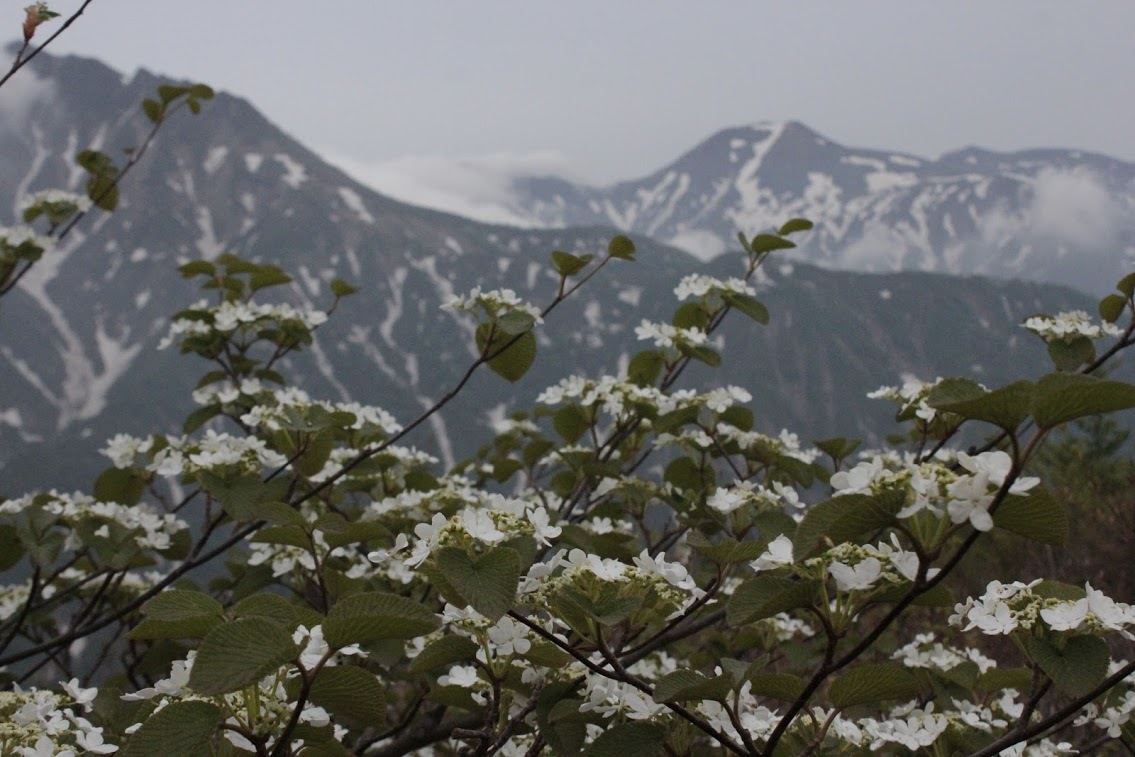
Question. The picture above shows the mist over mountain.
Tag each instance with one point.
(78, 357)
(1062, 216)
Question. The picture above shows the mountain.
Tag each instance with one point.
(1061, 216)
(78, 357)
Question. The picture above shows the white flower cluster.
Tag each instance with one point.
(37, 723)
(279, 407)
(786, 443)
(935, 488)
(614, 395)
(1004, 608)
(927, 652)
(151, 529)
(228, 317)
(910, 396)
(759, 721)
(750, 495)
(1112, 712)
(22, 241)
(490, 522)
(1069, 326)
(667, 336)
(56, 204)
(494, 303)
(180, 455)
(700, 285)
(265, 716)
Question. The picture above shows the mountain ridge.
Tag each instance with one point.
(78, 338)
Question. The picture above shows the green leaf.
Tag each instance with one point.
(239, 654)
(866, 684)
(241, 496)
(1006, 407)
(621, 247)
(201, 91)
(515, 322)
(178, 614)
(513, 362)
(1062, 397)
(350, 694)
(1075, 669)
(690, 316)
(645, 368)
(1068, 356)
(702, 353)
(727, 550)
(794, 225)
(769, 242)
(200, 417)
(628, 739)
(996, 679)
(784, 687)
(838, 448)
(340, 288)
(1127, 285)
(152, 109)
(690, 685)
(444, 652)
(748, 305)
(119, 485)
(267, 276)
(844, 518)
(1112, 307)
(567, 264)
(1036, 515)
(372, 616)
(103, 191)
(180, 729)
(570, 423)
(764, 596)
(277, 609)
(11, 550)
(487, 583)
(179, 604)
(170, 92)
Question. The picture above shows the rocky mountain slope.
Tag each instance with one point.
(78, 357)
(1060, 216)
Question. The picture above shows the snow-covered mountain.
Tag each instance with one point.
(1046, 215)
(78, 358)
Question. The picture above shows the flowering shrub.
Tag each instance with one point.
(628, 567)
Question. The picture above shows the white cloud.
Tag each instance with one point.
(1076, 207)
(20, 95)
(477, 187)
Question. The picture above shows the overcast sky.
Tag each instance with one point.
(616, 89)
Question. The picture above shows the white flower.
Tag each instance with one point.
(479, 525)
(509, 637)
(778, 554)
(859, 578)
(542, 531)
(858, 479)
(464, 676)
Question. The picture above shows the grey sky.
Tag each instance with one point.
(621, 88)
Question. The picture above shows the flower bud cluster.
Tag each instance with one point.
(282, 408)
(1069, 326)
(1004, 608)
(925, 651)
